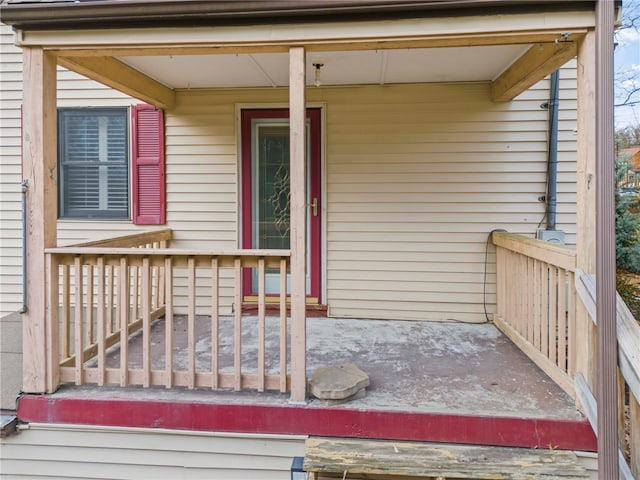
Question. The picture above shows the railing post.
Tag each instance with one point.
(297, 116)
(586, 200)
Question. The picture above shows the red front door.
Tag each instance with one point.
(265, 192)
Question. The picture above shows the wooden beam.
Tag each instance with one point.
(39, 167)
(536, 63)
(122, 77)
(586, 199)
(297, 121)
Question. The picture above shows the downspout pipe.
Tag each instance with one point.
(552, 155)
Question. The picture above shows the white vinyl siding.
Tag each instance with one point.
(10, 174)
(76, 451)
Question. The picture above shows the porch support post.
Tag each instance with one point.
(583, 354)
(297, 116)
(607, 341)
(39, 154)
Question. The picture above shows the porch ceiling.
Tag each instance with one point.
(452, 64)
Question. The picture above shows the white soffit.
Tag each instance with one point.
(452, 64)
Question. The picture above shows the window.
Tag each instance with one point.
(95, 168)
(94, 163)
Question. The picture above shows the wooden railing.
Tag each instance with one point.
(134, 312)
(536, 302)
(538, 287)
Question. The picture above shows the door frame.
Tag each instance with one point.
(315, 113)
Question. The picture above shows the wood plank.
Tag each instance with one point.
(146, 320)
(39, 154)
(101, 326)
(558, 255)
(168, 325)
(535, 64)
(78, 318)
(551, 369)
(110, 285)
(89, 310)
(215, 322)
(399, 459)
(561, 359)
(572, 325)
(123, 308)
(634, 439)
(283, 325)
(261, 325)
(297, 149)
(586, 196)
(116, 74)
(53, 323)
(534, 309)
(128, 241)
(551, 342)
(191, 323)
(237, 325)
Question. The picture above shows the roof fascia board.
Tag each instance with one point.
(117, 13)
(509, 27)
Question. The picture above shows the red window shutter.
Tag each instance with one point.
(147, 131)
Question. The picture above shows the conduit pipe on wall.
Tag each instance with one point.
(552, 156)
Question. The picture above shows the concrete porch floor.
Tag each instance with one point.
(469, 369)
(434, 382)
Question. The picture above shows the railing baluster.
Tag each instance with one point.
(191, 323)
(77, 351)
(261, 324)
(168, 331)
(215, 322)
(550, 343)
(535, 313)
(66, 312)
(111, 285)
(562, 320)
(237, 325)
(146, 322)
(135, 275)
(634, 426)
(123, 308)
(101, 327)
(90, 333)
(160, 299)
(571, 320)
(283, 325)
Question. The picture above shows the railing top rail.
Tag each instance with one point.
(558, 255)
(133, 240)
(165, 252)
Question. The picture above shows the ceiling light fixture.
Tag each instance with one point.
(317, 66)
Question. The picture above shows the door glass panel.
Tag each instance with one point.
(271, 188)
(271, 212)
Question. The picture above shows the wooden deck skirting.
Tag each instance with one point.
(351, 458)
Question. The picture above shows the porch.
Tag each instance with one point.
(159, 327)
